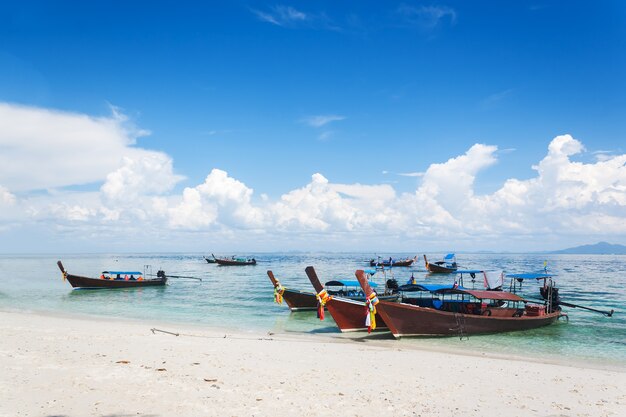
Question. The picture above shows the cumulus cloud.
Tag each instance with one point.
(564, 198)
(42, 148)
(220, 197)
(148, 173)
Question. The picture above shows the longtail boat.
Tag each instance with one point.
(113, 279)
(233, 261)
(349, 314)
(210, 260)
(392, 262)
(446, 266)
(296, 300)
(457, 311)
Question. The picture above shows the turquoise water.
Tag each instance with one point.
(241, 297)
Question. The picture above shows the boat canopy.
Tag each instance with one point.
(469, 271)
(530, 275)
(424, 287)
(371, 271)
(449, 257)
(348, 283)
(122, 272)
(483, 294)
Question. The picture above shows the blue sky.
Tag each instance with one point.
(272, 93)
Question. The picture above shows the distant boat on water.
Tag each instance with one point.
(392, 262)
(446, 266)
(113, 279)
(234, 261)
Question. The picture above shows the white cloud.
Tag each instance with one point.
(322, 120)
(149, 173)
(6, 198)
(427, 17)
(281, 16)
(564, 198)
(42, 149)
(220, 198)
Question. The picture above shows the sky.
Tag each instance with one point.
(382, 126)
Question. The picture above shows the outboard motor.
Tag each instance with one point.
(160, 274)
(551, 294)
(392, 285)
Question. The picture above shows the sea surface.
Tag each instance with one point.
(241, 297)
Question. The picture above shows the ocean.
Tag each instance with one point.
(241, 297)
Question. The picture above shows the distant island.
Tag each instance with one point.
(600, 248)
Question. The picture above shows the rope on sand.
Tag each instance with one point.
(164, 331)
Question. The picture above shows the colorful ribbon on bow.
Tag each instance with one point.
(278, 293)
(322, 299)
(370, 311)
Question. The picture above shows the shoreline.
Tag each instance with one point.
(377, 339)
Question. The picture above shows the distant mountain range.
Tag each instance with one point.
(600, 248)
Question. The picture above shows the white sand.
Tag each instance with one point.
(54, 366)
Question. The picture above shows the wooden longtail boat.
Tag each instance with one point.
(78, 281)
(295, 299)
(447, 266)
(349, 315)
(391, 262)
(298, 300)
(210, 260)
(473, 312)
(233, 261)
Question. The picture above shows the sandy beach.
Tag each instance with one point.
(57, 366)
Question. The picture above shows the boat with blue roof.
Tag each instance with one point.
(454, 310)
(446, 266)
(114, 279)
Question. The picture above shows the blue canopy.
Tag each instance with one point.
(449, 257)
(348, 283)
(122, 272)
(530, 275)
(425, 287)
(469, 271)
(370, 271)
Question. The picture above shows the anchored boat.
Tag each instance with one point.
(446, 266)
(458, 311)
(114, 279)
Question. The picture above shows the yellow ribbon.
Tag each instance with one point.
(370, 304)
(278, 293)
(322, 298)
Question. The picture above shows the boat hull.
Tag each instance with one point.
(409, 320)
(78, 281)
(350, 315)
(300, 300)
(437, 269)
(228, 262)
